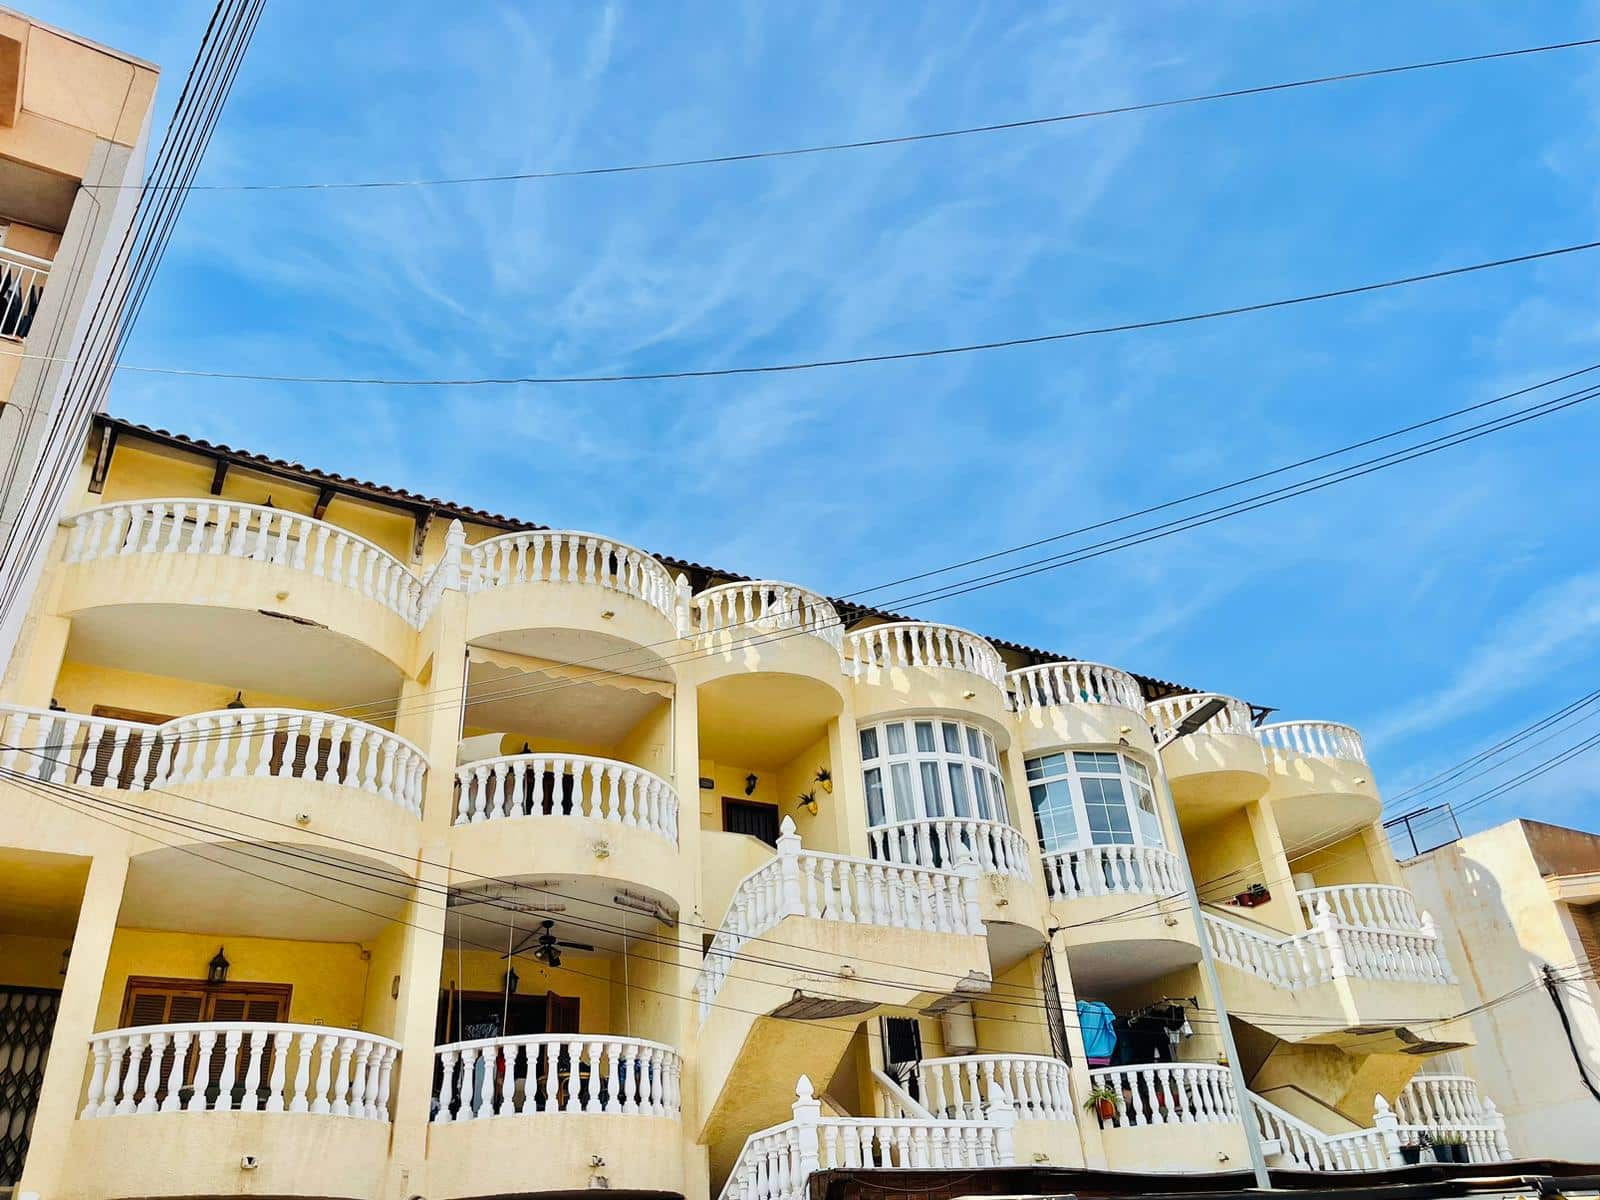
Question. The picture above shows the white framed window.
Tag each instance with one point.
(1092, 797)
(929, 767)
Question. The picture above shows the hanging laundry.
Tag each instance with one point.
(1097, 1022)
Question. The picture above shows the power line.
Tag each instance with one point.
(862, 359)
(896, 140)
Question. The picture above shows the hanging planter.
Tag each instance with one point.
(825, 778)
(807, 801)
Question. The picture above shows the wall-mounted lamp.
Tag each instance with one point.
(969, 695)
(66, 959)
(511, 981)
(394, 988)
(750, 782)
(608, 614)
(237, 701)
(217, 968)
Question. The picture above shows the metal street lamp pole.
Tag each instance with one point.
(1208, 965)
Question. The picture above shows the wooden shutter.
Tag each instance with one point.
(182, 1001)
(751, 817)
(241, 1005)
(161, 1004)
(560, 1013)
(130, 750)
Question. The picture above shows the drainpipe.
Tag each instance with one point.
(1208, 967)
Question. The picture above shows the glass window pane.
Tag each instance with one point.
(925, 737)
(959, 804)
(905, 799)
(1084, 760)
(974, 743)
(932, 789)
(952, 738)
(997, 789)
(869, 743)
(980, 791)
(1138, 770)
(1047, 765)
(989, 751)
(897, 738)
(874, 779)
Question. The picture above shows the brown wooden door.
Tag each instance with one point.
(181, 1001)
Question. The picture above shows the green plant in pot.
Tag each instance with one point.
(1102, 1102)
(1450, 1147)
(1411, 1148)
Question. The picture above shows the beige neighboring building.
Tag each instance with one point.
(74, 120)
(1510, 901)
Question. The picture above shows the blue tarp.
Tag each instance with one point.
(1094, 1021)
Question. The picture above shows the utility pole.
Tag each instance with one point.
(1208, 965)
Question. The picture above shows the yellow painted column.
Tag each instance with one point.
(1093, 1147)
(62, 1089)
(1283, 910)
(421, 960)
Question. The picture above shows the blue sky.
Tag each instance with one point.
(1436, 607)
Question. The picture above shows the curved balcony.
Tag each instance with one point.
(220, 554)
(920, 664)
(961, 1087)
(219, 1090)
(1123, 909)
(1193, 1103)
(764, 625)
(1371, 905)
(1320, 779)
(1219, 766)
(1451, 1104)
(1078, 704)
(556, 808)
(567, 579)
(271, 762)
(998, 848)
(1116, 870)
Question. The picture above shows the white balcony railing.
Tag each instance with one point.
(240, 1066)
(556, 1073)
(763, 610)
(1331, 951)
(1372, 905)
(568, 556)
(22, 281)
(1234, 718)
(1050, 685)
(1037, 1087)
(919, 644)
(1303, 1145)
(1312, 739)
(1168, 1094)
(232, 743)
(837, 887)
(999, 848)
(538, 786)
(227, 529)
(1113, 871)
(776, 1163)
(1450, 1104)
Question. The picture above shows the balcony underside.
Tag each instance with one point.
(555, 1152)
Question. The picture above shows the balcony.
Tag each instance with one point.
(916, 663)
(171, 1109)
(1366, 905)
(553, 580)
(1091, 871)
(997, 848)
(1193, 1104)
(554, 809)
(228, 564)
(763, 625)
(22, 282)
(291, 766)
(1219, 767)
(1321, 783)
(1450, 1104)
(514, 1115)
(1078, 704)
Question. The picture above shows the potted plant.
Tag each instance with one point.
(825, 778)
(1102, 1102)
(1450, 1147)
(1411, 1148)
(807, 801)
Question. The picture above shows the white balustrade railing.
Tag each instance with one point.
(1331, 950)
(240, 1066)
(1168, 1094)
(762, 609)
(1050, 685)
(837, 887)
(232, 743)
(1304, 1146)
(228, 529)
(22, 281)
(776, 1163)
(1037, 1087)
(922, 644)
(565, 785)
(999, 848)
(1113, 870)
(1166, 715)
(1373, 905)
(556, 1073)
(895, 1102)
(1450, 1104)
(1313, 739)
(568, 556)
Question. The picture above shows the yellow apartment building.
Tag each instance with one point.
(74, 119)
(358, 844)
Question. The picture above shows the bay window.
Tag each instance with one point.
(1098, 798)
(930, 769)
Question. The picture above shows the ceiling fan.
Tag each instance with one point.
(547, 947)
